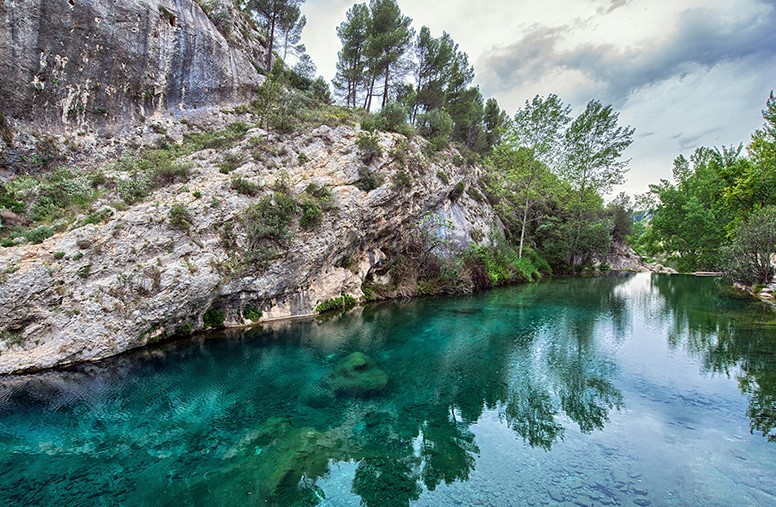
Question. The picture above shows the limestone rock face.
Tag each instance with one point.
(82, 64)
(99, 290)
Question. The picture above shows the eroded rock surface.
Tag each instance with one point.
(85, 64)
(98, 290)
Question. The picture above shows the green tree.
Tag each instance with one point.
(494, 120)
(540, 125)
(352, 62)
(522, 184)
(749, 257)
(389, 38)
(594, 143)
(273, 16)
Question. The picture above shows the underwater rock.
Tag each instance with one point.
(356, 375)
(317, 396)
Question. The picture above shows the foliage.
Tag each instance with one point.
(180, 217)
(369, 148)
(368, 180)
(749, 259)
(393, 118)
(252, 314)
(230, 162)
(540, 125)
(437, 127)
(500, 265)
(213, 319)
(270, 219)
(245, 187)
(312, 215)
(339, 303)
(593, 146)
(457, 191)
(522, 186)
(280, 20)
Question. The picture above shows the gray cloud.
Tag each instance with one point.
(701, 39)
(611, 5)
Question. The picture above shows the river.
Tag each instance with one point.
(618, 390)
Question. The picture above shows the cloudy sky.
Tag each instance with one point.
(684, 73)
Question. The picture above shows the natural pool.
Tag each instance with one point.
(620, 390)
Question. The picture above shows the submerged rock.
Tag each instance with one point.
(356, 375)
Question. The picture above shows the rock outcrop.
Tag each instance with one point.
(90, 64)
(100, 289)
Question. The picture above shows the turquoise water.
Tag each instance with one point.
(621, 390)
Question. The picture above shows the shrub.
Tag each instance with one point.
(457, 191)
(323, 194)
(443, 177)
(368, 180)
(134, 189)
(368, 147)
(270, 218)
(494, 266)
(437, 127)
(243, 186)
(230, 162)
(213, 319)
(180, 217)
(38, 235)
(252, 314)
(475, 194)
(339, 303)
(302, 159)
(59, 255)
(393, 118)
(402, 179)
(312, 215)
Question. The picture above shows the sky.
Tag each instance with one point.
(683, 73)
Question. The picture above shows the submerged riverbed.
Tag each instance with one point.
(620, 390)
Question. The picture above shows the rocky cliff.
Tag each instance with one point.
(140, 274)
(92, 64)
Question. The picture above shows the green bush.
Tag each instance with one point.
(339, 303)
(230, 162)
(38, 235)
(134, 189)
(180, 216)
(494, 266)
(437, 127)
(59, 255)
(252, 314)
(369, 147)
(457, 191)
(243, 186)
(402, 179)
(213, 319)
(312, 215)
(270, 218)
(323, 194)
(393, 118)
(368, 180)
(443, 177)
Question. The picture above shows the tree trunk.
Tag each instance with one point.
(271, 42)
(385, 90)
(522, 232)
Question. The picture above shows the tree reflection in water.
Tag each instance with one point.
(262, 418)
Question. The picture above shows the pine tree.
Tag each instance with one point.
(351, 65)
(274, 15)
(389, 38)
